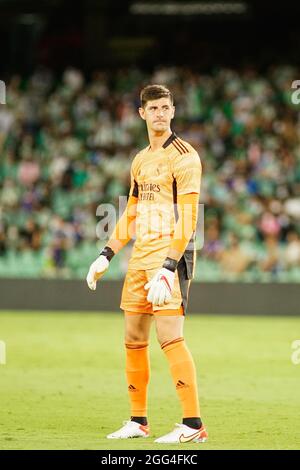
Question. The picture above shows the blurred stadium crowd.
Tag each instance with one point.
(66, 146)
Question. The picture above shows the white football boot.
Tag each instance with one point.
(182, 433)
(129, 430)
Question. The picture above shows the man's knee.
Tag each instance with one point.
(169, 329)
(166, 337)
(135, 336)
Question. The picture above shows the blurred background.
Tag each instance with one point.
(70, 128)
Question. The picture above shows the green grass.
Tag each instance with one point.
(64, 387)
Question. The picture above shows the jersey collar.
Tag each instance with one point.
(172, 137)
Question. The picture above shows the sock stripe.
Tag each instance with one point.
(137, 345)
(173, 341)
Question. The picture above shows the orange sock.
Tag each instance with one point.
(138, 375)
(184, 376)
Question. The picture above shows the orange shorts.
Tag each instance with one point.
(134, 296)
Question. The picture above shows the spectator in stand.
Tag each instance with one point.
(66, 146)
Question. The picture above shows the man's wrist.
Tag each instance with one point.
(170, 264)
(108, 253)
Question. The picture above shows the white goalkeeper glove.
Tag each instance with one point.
(98, 267)
(161, 286)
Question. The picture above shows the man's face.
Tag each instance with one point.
(158, 114)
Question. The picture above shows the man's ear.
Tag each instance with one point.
(173, 113)
(142, 113)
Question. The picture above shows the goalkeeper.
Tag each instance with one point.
(162, 214)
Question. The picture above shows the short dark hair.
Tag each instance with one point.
(154, 92)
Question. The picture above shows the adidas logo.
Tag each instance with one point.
(181, 384)
(131, 388)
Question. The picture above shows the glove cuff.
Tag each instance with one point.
(170, 264)
(108, 253)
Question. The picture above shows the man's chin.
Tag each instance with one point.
(160, 127)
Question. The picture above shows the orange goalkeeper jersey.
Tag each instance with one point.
(157, 177)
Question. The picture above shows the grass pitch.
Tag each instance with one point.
(63, 386)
